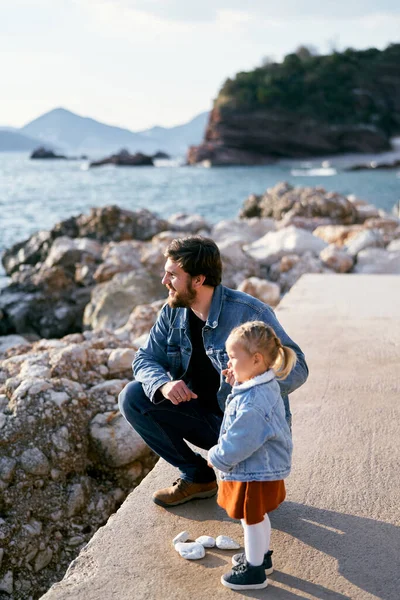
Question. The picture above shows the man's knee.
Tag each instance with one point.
(131, 398)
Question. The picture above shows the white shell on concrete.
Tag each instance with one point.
(183, 536)
(225, 542)
(206, 540)
(190, 550)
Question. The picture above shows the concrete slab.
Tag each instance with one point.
(337, 536)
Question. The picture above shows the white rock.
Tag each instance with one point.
(190, 550)
(8, 341)
(272, 246)
(225, 542)
(33, 461)
(245, 231)
(206, 540)
(394, 246)
(7, 583)
(120, 359)
(264, 290)
(365, 239)
(115, 440)
(336, 259)
(183, 536)
(378, 260)
(185, 222)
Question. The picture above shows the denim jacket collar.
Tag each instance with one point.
(263, 378)
(182, 317)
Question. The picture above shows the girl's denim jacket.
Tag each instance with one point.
(255, 443)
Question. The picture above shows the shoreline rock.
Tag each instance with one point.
(124, 159)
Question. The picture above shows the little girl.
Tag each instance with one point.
(254, 448)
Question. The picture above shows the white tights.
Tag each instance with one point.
(256, 540)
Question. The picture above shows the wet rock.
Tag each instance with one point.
(264, 290)
(224, 542)
(190, 550)
(34, 462)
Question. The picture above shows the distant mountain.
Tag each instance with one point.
(176, 140)
(71, 132)
(11, 140)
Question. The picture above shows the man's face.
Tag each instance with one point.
(179, 284)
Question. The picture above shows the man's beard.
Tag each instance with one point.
(182, 299)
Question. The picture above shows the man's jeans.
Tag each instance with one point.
(165, 427)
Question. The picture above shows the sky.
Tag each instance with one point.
(139, 63)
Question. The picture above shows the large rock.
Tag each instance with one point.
(244, 230)
(336, 259)
(337, 234)
(118, 257)
(266, 291)
(112, 302)
(53, 272)
(365, 239)
(378, 260)
(272, 246)
(115, 440)
(188, 223)
(286, 200)
(67, 457)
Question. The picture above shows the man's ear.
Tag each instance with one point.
(198, 280)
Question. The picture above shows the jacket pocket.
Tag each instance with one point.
(174, 360)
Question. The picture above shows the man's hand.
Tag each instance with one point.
(177, 392)
(229, 376)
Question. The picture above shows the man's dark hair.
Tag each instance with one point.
(197, 256)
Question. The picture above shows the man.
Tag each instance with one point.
(181, 376)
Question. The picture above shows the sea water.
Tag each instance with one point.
(36, 194)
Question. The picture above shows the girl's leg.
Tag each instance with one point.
(267, 532)
(254, 542)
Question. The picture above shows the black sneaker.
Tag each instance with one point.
(239, 559)
(245, 577)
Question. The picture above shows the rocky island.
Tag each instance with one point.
(82, 299)
(124, 159)
(305, 106)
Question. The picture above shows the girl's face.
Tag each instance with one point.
(244, 366)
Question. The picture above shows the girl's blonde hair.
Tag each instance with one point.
(256, 336)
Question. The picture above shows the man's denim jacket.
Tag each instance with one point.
(166, 354)
(255, 443)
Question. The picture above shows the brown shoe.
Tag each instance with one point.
(183, 491)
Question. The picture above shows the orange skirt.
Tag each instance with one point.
(250, 500)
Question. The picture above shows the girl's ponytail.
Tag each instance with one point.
(285, 361)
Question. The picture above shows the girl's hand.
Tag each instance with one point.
(229, 376)
(210, 465)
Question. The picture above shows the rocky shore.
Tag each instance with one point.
(82, 299)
